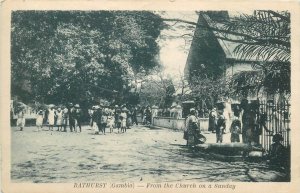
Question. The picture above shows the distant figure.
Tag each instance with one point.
(221, 125)
(72, 117)
(117, 117)
(142, 113)
(65, 116)
(21, 119)
(78, 117)
(45, 120)
(235, 130)
(248, 122)
(128, 119)
(39, 120)
(94, 120)
(97, 120)
(277, 155)
(110, 123)
(51, 118)
(91, 111)
(148, 115)
(237, 111)
(59, 120)
(123, 118)
(227, 114)
(192, 130)
(212, 120)
(134, 116)
(104, 120)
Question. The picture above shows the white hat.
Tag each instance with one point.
(192, 109)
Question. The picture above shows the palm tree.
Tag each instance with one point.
(263, 36)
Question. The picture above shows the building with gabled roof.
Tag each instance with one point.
(211, 55)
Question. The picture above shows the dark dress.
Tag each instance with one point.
(97, 115)
(72, 117)
(133, 117)
(78, 117)
(117, 118)
(221, 125)
(148, 116)
(235, 130)
(212, 121)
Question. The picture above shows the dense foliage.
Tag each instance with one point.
(80, 56)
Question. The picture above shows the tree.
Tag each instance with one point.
(157, 90)
(80, 56)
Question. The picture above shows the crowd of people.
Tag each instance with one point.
(247, 120)
(100, 117)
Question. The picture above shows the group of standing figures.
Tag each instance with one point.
(248, 120)
(61, 117)
(119, 118)
(101, 117)
(217, 124)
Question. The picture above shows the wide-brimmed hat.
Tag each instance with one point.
(70, 104)
(77, 106)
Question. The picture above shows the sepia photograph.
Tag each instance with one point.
(150, 99)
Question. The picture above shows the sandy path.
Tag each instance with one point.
(141, 154)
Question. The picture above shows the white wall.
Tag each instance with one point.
(177, 124)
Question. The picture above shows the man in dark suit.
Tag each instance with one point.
(72, 117)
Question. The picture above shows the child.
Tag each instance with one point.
(39, 120)
(110, 123)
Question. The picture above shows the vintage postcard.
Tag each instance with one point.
(149, 96)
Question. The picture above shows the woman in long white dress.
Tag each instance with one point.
(59, 120)
(51, 118)
(39, 120)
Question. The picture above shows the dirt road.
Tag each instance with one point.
(140, 154)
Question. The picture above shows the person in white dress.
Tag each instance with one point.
(21, 119)
(51, 118)
(39, 120)
(123, 120)
(59, 120)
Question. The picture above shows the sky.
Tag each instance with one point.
(174, 51)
